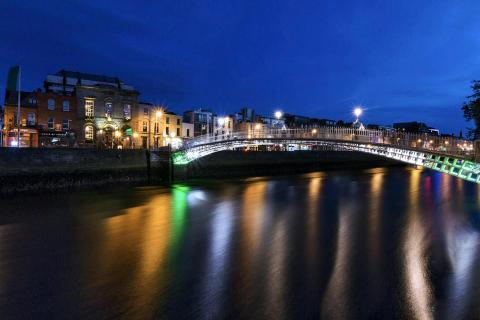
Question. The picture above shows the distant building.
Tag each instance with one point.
(155, 127)
(295, 121)
(187, 130)
(203, 121)
(270, 121)
(413, 126)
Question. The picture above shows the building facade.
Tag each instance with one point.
(57, 119)
(104, 105)
(203, 121)
(28, 120)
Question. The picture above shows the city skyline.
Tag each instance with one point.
(314, 60)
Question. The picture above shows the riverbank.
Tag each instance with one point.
(24, 170)
(38, 170)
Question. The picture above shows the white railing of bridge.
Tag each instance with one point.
(420, 141)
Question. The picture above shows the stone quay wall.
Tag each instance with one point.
(32, 169)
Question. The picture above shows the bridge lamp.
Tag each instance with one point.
(446, 142)
(419, 140)
(357, 112)
(258, 126)
(278, 114)
(431, 141)
(314, 131)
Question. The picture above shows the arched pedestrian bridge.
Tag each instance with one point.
(445, 154)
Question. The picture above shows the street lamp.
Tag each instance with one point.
(278, 114)
(357, 112)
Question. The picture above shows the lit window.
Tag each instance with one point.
(50, 123)
(66, 105)
(89, 105)
(127, 111)
(31, 119)
(145, 126)
(51, 104)
(66, 124)
(89, 133)
(108, 109)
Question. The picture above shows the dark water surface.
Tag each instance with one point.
(373, 244)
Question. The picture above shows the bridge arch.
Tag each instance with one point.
(447, 155)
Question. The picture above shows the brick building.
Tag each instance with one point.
(104, 106)
(57, 119)
(28, 119)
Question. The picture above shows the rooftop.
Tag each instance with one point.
(87, 76)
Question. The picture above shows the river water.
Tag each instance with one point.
(379, 243)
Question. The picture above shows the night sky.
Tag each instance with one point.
(401, 60)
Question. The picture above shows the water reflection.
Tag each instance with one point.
(404, 242)
(418, 290)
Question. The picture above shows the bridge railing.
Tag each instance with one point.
(420, 141)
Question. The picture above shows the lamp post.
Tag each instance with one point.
(357, 112)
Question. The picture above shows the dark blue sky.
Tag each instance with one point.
(402, 60)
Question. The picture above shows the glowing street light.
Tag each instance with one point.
(278, 114)
(118, 134)
(221, 121)
(159, 113)
(357, 112)
(314, 131)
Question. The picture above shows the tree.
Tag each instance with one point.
(471, 109)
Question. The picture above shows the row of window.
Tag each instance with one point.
(64, 126)
(90, 109)
(156, 129)
(65, 105)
